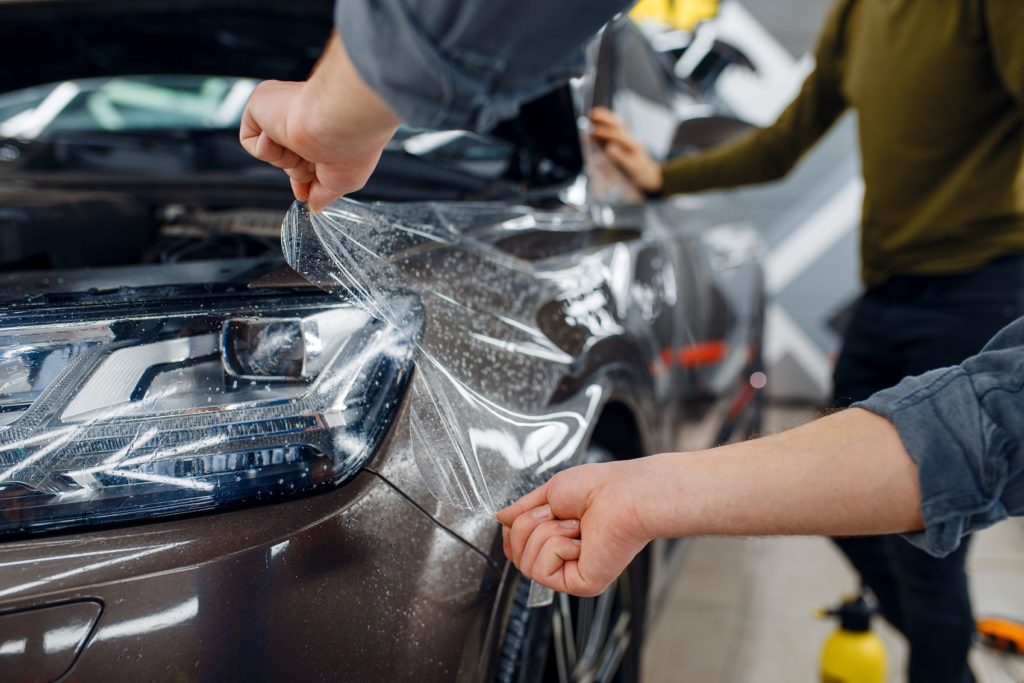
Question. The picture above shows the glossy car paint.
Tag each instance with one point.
(377, 580)
(321, 591)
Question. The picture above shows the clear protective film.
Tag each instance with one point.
(482, 424)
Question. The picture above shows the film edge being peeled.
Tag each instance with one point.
(482, 362)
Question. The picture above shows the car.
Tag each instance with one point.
(212, 470)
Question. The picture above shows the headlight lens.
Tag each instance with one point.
(117, 417)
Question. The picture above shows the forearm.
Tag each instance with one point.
(846, 474)
(334, 93)
(770, 153)
(938, 452)
(758, 157)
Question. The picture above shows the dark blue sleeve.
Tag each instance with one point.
(964, 426)
(467, 63)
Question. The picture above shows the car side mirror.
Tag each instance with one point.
(697, 134)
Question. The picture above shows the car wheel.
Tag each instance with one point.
(578, 639)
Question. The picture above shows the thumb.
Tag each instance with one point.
(571, 492)
(533, 499)
(319, 196)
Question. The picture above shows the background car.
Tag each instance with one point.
(185, 491)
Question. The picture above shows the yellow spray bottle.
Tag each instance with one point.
(853, 653)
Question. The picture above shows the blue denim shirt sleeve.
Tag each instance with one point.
(964, 427)
(467, 63)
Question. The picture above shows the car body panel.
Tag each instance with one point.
(44, 642)
(314, 589)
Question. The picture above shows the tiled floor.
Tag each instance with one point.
(743, 610)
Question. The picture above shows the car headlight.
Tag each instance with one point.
(127, 413)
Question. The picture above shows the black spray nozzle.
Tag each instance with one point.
(854, 614)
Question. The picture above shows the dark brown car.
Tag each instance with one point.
(212, 470)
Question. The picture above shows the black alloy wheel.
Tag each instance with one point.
(578, 640)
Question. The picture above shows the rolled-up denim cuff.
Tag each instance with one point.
(942, 425)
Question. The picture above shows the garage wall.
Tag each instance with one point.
(810, 220)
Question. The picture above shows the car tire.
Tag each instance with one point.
(596, 639)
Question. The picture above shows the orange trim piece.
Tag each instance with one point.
(703, 353)
(1003, 634)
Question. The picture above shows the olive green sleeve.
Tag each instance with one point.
(1004, 23)
(770, 153)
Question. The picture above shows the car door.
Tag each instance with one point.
(713, 348)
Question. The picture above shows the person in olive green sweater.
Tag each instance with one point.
(938, 86)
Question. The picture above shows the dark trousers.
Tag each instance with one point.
(907, 326)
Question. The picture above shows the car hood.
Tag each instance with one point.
(46, 41)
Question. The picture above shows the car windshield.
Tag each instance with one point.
(125, 104)
(179, 126)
